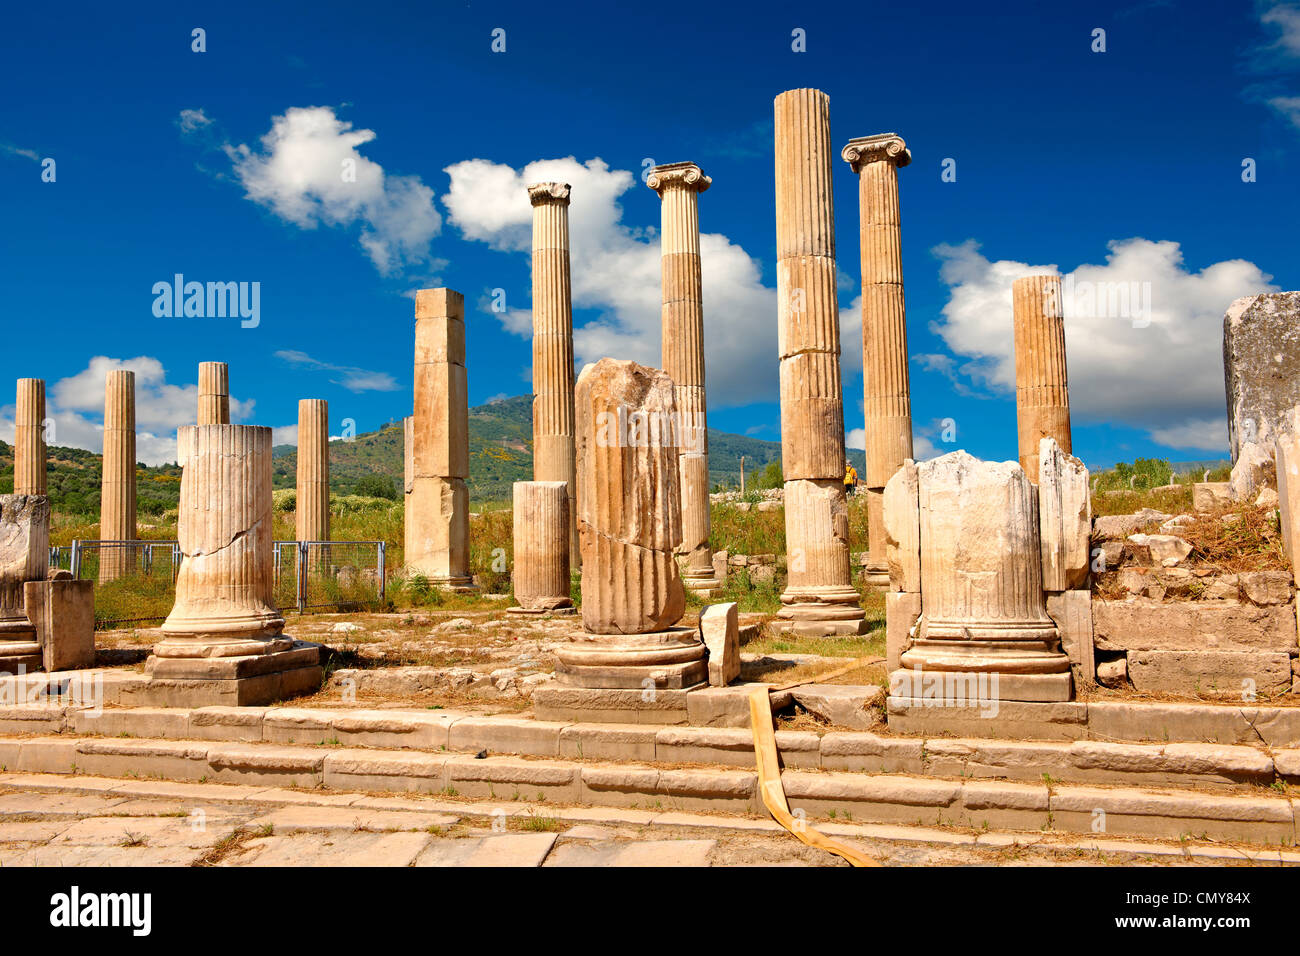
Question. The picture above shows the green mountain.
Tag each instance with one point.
(500, 453)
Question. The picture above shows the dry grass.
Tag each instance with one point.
(1177, 500)
(1235, 539)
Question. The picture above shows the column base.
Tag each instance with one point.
(705, 588)
(567, 611)
(20, 657)
(834, 611)
(457, 585)
(244, 680)
(673, 659)
(875, 578)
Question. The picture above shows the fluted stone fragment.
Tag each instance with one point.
(1064, 518)
(1042, 389)
(629, 521)
(886, 394)
(629, 504)
(819, 597)
(553, 412)
(437, 507)
(540, 572)
(679, 186)
(117, 506)
(214, 393)
(29, 438)
(312, 511)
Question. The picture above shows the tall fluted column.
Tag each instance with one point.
(214, 393)
(225, 592)
(1042, 387)
(553, 448)
(819, 597)
(679, 186)
(312, 512)
(886, 397)
(437, 512)
(29, 438)
(540, 572)
(117, 494)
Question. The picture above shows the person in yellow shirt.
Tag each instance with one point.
(850, 478)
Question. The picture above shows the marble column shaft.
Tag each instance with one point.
(437, 533)
(540, 571)
(225, 591)
(117, 506)
(679, 186)
(1042, 386)
(553, 380)
(312, 512)
(214, 393)
(819, 595)
(886, 399)
(29, 438)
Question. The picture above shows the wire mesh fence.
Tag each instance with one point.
(136, 580)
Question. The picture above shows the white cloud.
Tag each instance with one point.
(1161, 371)
(615, 269)
(19, 151)
(309, 172)
(856, 438)
(353, 379)
(76, 405)
(1289, 107)
(1286, 17)
(285, 434)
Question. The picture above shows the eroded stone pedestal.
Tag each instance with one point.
(984, 630)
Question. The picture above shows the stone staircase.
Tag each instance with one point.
(1216, 773)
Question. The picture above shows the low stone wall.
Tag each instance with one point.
(1167, 623)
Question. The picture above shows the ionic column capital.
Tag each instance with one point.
(883, 147)
(685, 175)
(549, 194)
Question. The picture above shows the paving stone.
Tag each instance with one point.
(342, 849)
(505, 849)
(309, 818)
(656, 853)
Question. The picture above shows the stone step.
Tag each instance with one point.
(1218, 766)
(1263, 818)
(58, 798)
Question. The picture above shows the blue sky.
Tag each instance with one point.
(1122, 166)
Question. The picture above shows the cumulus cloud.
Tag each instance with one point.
(1154, 364)
(352, 378)
(308, 170)
(76, 405)
(1285, 18)
(615, 269)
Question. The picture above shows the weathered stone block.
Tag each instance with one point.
(1231, 675)
(1261, 365)
(63, 614)
(720, 631)
(1143, 625)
